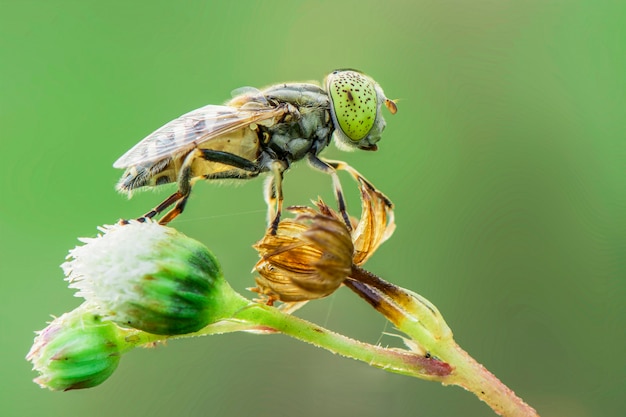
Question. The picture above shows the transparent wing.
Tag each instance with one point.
(194, 128)
(247, 91)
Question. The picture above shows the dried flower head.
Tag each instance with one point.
(308, 257)
(311, 255)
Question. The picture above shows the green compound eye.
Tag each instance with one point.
(354, 102)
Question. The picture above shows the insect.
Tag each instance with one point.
(259, 131)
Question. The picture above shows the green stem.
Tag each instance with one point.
(439, 359)
(398, 361)
(475, 378)
(249, 316)
(422, 322)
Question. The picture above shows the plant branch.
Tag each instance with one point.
(422, 322)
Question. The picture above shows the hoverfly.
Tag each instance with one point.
(259, 131)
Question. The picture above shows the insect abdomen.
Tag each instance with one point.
(152, 175)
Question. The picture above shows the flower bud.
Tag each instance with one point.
(149, 277)
(77, 350)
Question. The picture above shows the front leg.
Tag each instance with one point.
(340, 165)
(323, 166)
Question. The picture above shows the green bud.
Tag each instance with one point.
(77, 350)
(149, 277)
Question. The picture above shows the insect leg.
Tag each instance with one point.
(165, 204)
(270, 198)
(274, 195)
(231, 159)
(179, 197)
(324, 166)
(340, 165)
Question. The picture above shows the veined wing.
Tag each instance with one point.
(196, 127)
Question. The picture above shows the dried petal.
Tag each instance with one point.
(376, 224)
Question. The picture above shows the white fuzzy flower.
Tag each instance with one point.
(146, 276)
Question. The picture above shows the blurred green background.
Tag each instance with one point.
(506, 161)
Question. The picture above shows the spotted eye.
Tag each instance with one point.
(354, 102)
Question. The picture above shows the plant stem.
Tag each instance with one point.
(438, 357)
(474, 377)
(392, 360)
(260, 318)
(423, 323)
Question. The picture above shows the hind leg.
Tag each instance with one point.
(180, 197)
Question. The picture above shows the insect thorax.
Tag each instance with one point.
(306, 128)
